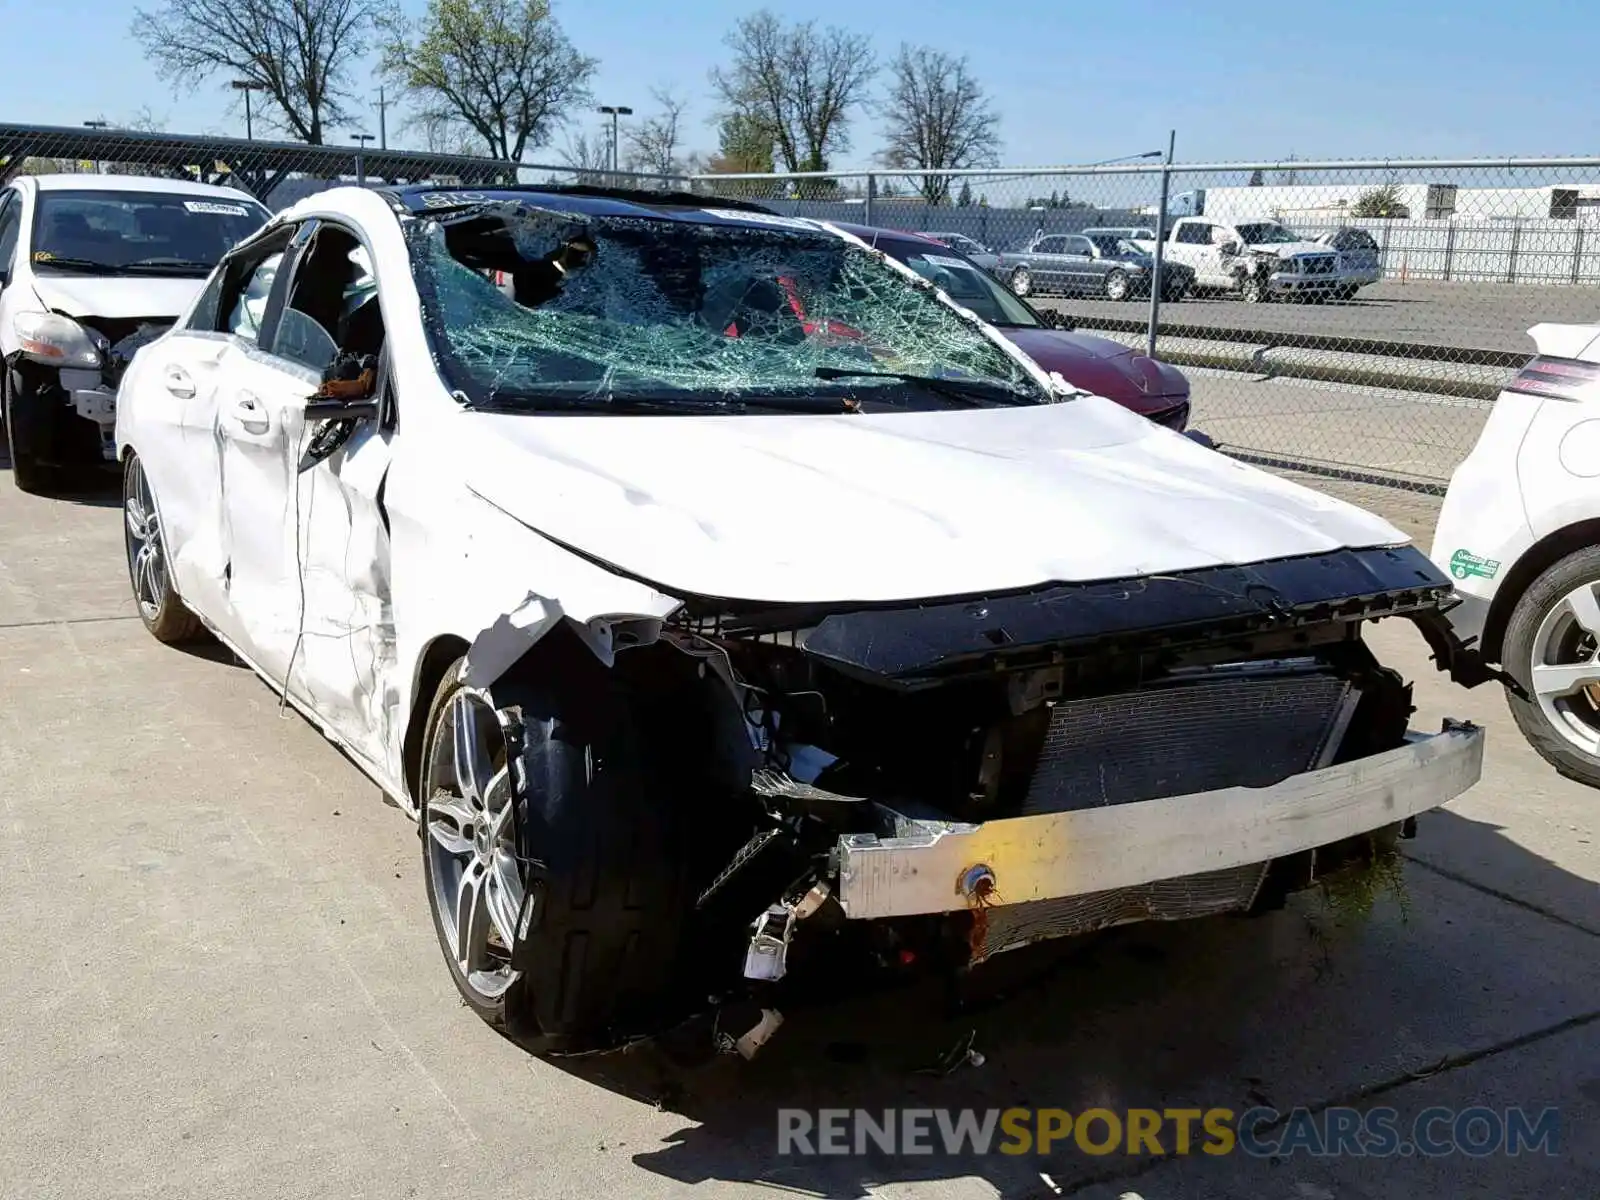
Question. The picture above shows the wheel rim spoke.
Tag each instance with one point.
(503, 888)
(1585, 609)
(473, 772)
(472, 919)
(449, 818)
(1551, 681)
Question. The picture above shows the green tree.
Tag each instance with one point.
(744, 147)
(964, 196)
(500, 68)
(1381, 201)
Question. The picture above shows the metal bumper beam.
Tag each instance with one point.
(1011, 861)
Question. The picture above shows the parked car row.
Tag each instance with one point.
(716, 588)
(1256, 260)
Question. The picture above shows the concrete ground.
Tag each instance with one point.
(1475, 316)
(221, 980)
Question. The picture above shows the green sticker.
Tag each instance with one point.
(1464, 563)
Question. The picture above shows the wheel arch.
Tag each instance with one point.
(432, 664)
(1535, 561)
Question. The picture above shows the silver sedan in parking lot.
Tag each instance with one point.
(1100, 265)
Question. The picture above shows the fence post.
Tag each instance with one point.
(1516, 244)
(866, 210)
(1449, 247)
(1161, 234)
(1577, 254)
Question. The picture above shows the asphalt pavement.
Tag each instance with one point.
(1468, 316)
(221, 980)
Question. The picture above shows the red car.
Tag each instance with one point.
(1096, 364)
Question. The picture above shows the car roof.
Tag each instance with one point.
(135, 183)
(604, 202)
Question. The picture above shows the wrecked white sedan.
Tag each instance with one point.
(719, 596)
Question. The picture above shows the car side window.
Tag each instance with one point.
(10, 226)
(1052, 245)
(1080, 246)
(1195, 235)
(247, 305)
(333, 302)
(207, 308)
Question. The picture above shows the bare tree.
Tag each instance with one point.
(937, 119)
(799, 83)
(589, 158)
(501, 68)
(653, 142)
(299, 51)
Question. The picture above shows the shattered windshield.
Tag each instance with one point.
(528, 305)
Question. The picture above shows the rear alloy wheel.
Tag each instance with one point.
(1252, 290)
(1552, 648)
(160, 607)
(1022, 282)
(1117, 285)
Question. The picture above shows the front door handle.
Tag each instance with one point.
(179, 383)
(252, 415)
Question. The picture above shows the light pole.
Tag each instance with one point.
(247, 86)
(383, 120)
(361, 144)
(97, 125)
(614, 111)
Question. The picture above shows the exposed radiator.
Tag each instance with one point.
(1249, 730)
(1009, 926)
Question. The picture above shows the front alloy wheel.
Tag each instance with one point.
(474, 868)
(1117, 285)
(1022, 282)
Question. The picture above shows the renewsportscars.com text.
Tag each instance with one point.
(1258, 1132)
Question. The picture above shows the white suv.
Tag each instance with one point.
(1520, 535)
(91, 268)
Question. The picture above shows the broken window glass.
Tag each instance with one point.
(529, 303)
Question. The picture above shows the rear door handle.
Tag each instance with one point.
(252, 415)
(179, 383)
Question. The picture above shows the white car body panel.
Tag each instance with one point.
(80, 296)
(493, 527)
(897, 506)
(1534, 471)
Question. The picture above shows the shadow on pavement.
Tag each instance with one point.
(1190, 1014)
(94, 488)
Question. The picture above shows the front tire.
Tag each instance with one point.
(1117, 286)
(161, 609)
(554, 854)
(1552, 648)
(1252, 290)
(1022, 282)
(23, 418)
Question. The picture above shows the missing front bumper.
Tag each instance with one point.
(1019, 860)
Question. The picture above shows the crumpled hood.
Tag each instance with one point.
(898, 506)
(116, 297)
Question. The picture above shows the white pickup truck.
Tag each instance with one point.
(1260, 260)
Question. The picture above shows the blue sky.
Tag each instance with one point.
(1238, 79)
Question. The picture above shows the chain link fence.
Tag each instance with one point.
(1352, 318)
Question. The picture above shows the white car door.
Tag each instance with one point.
(172, 423)
(309, 544)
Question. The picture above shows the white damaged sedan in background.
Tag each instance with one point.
(723, 600)
(91, 268)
